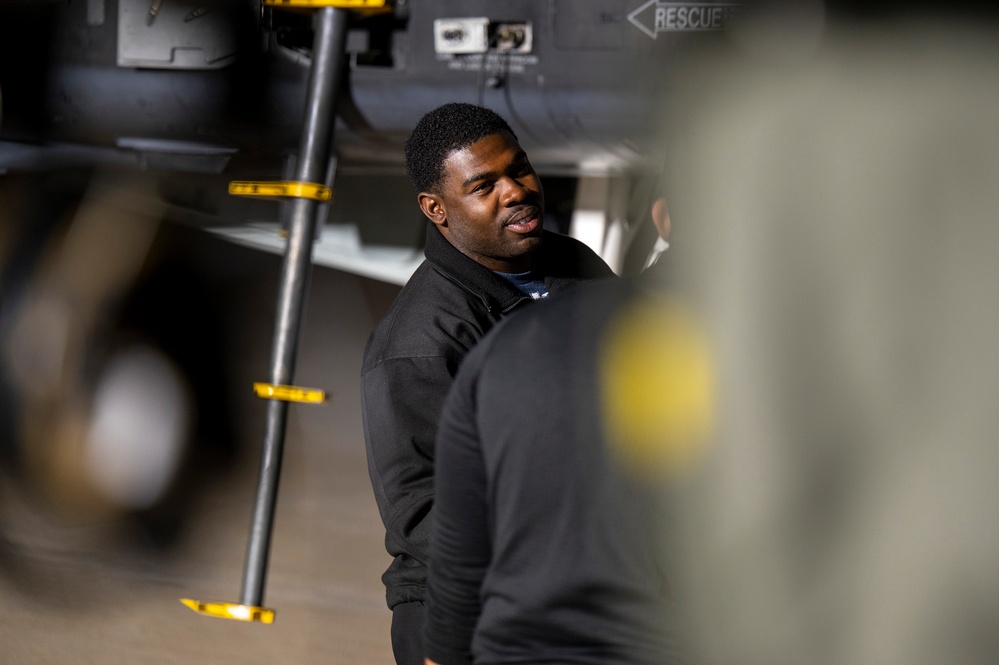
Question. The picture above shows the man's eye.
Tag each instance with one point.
(482, 188)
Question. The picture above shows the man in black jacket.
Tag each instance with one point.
(486, 255)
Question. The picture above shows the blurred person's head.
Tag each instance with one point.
(839, 241)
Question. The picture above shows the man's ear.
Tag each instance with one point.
(433, 208)
(660, 217)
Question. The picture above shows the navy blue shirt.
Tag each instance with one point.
(529, 283)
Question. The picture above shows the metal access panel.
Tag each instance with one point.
(481, 35)
(175, 34)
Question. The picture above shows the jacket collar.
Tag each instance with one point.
(496, 293)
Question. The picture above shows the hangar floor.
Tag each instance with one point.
(87, 591)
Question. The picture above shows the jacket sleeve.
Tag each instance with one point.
(401, 400)
(460, 549)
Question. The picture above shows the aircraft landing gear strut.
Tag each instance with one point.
(313, 156)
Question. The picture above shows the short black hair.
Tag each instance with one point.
(440, 132)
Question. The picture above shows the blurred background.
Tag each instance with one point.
(132, 438)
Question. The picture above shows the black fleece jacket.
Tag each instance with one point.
(544, 548)
(411, 358)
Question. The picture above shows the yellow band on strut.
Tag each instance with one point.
(363, 6)
(289, 393)
(281, 189)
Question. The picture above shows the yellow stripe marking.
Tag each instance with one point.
(289, 393)
(366, 6)
(281, 188)
(231, 611)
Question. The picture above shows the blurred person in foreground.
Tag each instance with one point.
(843, 266)
(487, 256)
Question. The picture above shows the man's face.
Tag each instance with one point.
(491, 204)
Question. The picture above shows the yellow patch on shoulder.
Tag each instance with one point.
(657, 387)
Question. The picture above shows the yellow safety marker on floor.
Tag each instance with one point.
(361, 6)
(281, 189)
(231, 611)
(289, 393)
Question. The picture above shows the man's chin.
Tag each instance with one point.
(530, 243)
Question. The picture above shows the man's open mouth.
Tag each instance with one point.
(524, 217)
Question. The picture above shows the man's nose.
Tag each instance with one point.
(513, 191)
